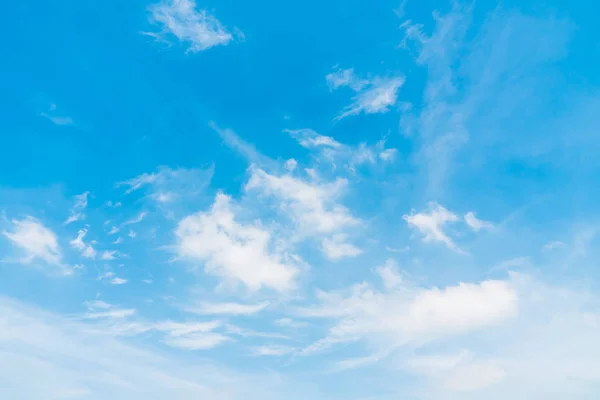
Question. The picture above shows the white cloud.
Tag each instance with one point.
(87, 250)
(475, 223)
(311, 139)
(118, 240)
(191, 335)
(291, 164)
(290, 323)
(81, 201)
(118, 313)
(196, 27)
(336, 248)
(118, 281)
(35, 240)
(431, 224)
(388, 155)
(169, 185)
(234, 251)
(405, 315)
(272, 350)
(378, 97)
(227, 308)
(137, 219)
(338, 153)
(113, 230)
(108, 255)
(311, 206)
(132, 233)
(345, 77)
(388, 272)
(84, 363)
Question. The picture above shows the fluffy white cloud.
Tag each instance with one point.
(227, 308)
(336, 247)
(431, 224)
(475, 223)
(234, 251)
(311, 139)
(311, 206)
(196, 27)
(35, 240)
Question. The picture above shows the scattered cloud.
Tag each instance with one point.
(227, 308)
(169, 185)
(345, 77)
(337, 153)
(108, 255)
(57, 119)
(373, 96)
(336, 248)
(36, 240)
(87, 250)
(431, 224)
(240, 146)
(291, 165)
(197, 28)
(406, 315)
(118, 281)
(234, 251)
(272, 351)
(475, 223)
(76, 212)
(137, 219)
(311, 206)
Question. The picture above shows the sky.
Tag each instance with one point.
(346, 200)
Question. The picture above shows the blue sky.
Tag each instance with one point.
(324, 200)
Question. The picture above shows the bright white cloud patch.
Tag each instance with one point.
(475, 223)
(35, 240)
(431, 223)
(311, 206)
(227, 308)
(234, 251)
(403, 314)
(336, 247)
(195, 27)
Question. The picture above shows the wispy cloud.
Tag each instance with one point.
(226, 308)
(36, 240)
(87, 249)
(475, 223)
(373, 96)
(197, 28)
(431, 223)
(79, 205)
